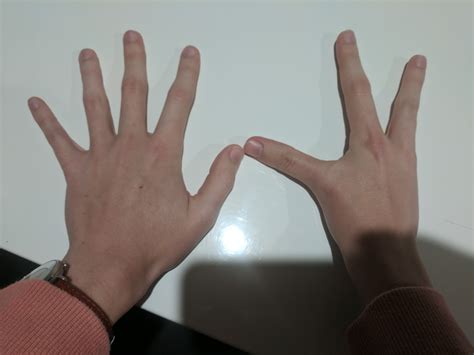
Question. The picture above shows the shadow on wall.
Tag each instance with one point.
(301, 307)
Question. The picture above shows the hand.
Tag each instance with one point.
(129, 216)
(369, 196)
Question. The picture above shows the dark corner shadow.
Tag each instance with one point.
(271, 307)
(452, 273)
(302, 307)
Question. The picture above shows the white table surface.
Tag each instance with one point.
(263, 279)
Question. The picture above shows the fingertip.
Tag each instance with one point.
(419, 61)
(347, 37)
(86, 54)
(253, 147)
(34, 103)
(236, 153)
(190, 52)
(131, 36)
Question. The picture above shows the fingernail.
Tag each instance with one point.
(189, 51)
(86, 54)
(348, 37)
(420, 61)
(131, 36)
(34, 103)
(254, 148)
(236, 154)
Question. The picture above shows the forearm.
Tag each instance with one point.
(407, 320)
(37, 317)
(404, 314)
(379, 263)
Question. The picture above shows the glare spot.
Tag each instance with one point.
(233, 240)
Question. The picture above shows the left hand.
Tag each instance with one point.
(369, 196)
(129, 216)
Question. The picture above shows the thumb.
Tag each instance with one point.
(285, 159)
(218, 184)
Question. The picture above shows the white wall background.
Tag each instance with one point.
(267, 69)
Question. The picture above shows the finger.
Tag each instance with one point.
(218, 184)
(360, 107)
(133, 109)
(180, 99)
(402, 124)
(65, 149)
(96, 104)
(286, 159)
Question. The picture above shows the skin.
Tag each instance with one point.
(130, 218)
(369, 196)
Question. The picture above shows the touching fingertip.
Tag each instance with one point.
(236, 154)
(34, 103)
(253, 148)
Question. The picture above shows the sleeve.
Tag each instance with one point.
(37, 317)
(407, 320)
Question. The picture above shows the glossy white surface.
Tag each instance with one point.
(263, 278)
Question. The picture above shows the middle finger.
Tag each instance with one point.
(133, 110)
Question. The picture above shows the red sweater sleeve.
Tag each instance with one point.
(37, 317)
(407, 320)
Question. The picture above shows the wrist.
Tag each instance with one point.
(380, 263)
(110, 285)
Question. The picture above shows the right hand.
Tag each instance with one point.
(369, 196)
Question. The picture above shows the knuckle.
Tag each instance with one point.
(190, 66)
(360, 86)
(409, 154)
(347, 53)
(92, 101)
(90, 69)
(287, 160)
(42, 120)
(228, 184)
(135, 53)
(54, 135)
(377, 145)
(164, 152)
(210, 216)
(204, 219)
(408, 106)
(134, 85)
(414, 75)
(331, 189)
(179, 94)
(158, 145)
